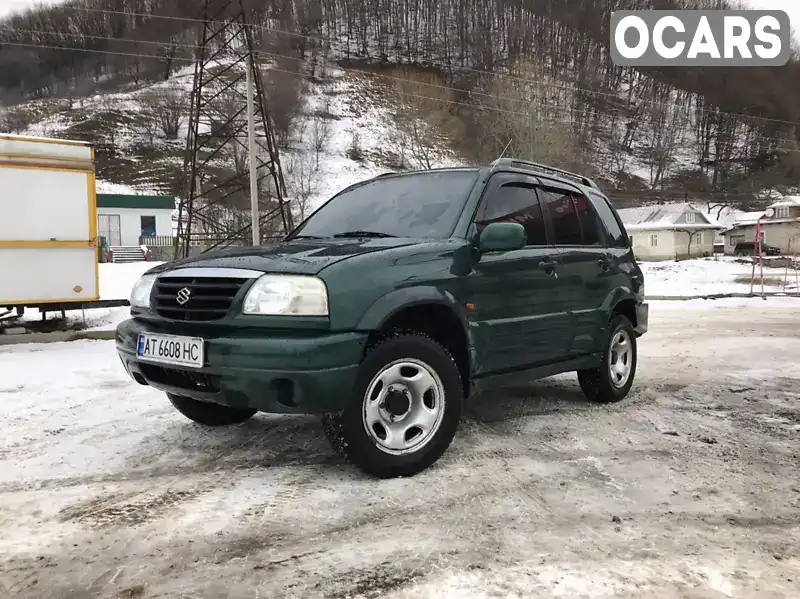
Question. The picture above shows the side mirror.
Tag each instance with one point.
(502, 237)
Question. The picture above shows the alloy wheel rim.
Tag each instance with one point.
(620, 358)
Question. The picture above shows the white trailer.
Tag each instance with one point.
(48, 223)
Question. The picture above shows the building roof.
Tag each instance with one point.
(137, 202)
(725, 216)
(786, 201)
(664, 216)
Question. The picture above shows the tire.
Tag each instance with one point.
(603, 385)
(332, 426)
(385, 393)
(209, 414)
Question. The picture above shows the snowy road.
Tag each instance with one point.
(690, 488)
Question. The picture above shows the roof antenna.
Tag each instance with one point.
(503, 153)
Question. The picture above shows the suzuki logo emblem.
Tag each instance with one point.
(183, 295)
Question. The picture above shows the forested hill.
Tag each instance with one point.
(729, 132)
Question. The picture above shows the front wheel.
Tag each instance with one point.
(209, 414)
(612, 381)
(406, 410)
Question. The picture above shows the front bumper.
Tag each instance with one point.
(283, 373)
(642, 318)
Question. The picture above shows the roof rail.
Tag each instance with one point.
(524, 164)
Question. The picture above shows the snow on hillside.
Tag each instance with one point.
(359, 122)
(344, 132)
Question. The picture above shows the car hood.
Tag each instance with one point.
(303, 256)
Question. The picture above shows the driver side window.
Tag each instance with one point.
(514, 202)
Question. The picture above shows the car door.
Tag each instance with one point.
(518, 318)
(587, 272)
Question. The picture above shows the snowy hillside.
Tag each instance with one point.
(532, 81)
(344, 131)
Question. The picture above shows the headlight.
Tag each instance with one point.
(140, 294)
(279, 295)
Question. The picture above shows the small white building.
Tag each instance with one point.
(781, 229)
(669, 231)
(125, 219)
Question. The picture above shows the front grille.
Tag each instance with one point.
(183, 379)
(209, 298)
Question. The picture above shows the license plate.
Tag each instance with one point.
(171, 349)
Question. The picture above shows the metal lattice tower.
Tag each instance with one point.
(214, 207)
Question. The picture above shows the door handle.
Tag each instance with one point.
(547, 265)
(604, 264)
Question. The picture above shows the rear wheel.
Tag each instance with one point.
(612, 381)
(209, 414)
(406, 410)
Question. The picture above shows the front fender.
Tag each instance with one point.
(391, 304)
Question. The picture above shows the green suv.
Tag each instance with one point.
(392, 303)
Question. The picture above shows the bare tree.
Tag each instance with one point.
(525, 116)
(691, 233)
(354, 151)
(283, 89)
(423, 113)
(321, 135)
(169, 109)
(303, 181)
(240, 155)
(663, 139)
(167, 55)
(151, 129)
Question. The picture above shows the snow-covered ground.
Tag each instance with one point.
(708, 276)
(688, 488)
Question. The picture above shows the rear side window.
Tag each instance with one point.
(515, 202)
(616, 236)
(590, 223)
(573, 223)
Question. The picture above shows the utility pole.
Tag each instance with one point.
(251, 144)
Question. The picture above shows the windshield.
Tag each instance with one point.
(419, 205)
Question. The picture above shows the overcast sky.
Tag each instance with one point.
(790, 6)
(9, 6)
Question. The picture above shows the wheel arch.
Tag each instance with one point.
(428, 310)
(622, 301)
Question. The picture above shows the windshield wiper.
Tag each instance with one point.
(305, 237)
(363, 234)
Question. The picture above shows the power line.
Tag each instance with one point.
(302, 61)
(359, 71)
(297, 59)
(410, 95)
(466, 69)
(297, 74)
